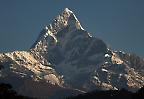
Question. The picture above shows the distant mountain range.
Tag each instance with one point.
(67, 60)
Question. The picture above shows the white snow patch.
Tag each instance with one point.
(104, 70)
(96, 78)
(89, 35)
(115, 88)
(106, 62)
(51, 34)
(107, 55)
(46, 28)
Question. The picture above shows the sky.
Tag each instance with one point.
(120, 23)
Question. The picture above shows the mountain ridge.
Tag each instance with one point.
(67, 56)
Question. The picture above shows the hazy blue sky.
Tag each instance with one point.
(120, 23)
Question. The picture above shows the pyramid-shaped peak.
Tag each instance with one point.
(67, 10)
(67, 13)
(66, 18)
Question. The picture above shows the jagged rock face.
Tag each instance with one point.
(66, 55)
(56, 37)
(65, 40)
(83, 59)
(25, 65)
(70, 47)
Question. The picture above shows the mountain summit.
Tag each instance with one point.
(50, 35)
(66, 58)
(66, 19)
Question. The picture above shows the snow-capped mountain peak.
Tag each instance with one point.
(76, 54)
(68, 56)
(66, 18)
(67, 10)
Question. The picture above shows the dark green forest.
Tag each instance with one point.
(6, 92)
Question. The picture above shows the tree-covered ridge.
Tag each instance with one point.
(111, 94)
(6, 92)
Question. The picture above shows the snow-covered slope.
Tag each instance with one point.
(66, 55)
(24, 64)
(81, 58)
